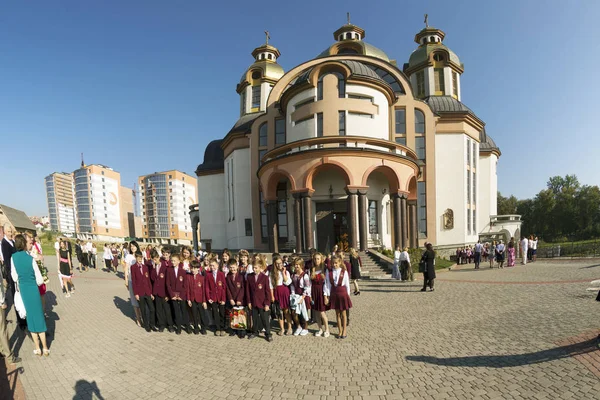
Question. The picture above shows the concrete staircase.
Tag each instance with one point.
(373, 267)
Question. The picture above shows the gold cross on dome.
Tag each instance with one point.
(268, 37)
(426, 21)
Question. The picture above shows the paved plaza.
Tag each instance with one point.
(516, 333)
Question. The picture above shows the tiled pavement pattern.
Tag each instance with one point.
(466, 340)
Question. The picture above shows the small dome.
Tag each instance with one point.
(213, 158)
(270, 70)
(486, 143)
(421, 54)
(354, 47)
(442, 104)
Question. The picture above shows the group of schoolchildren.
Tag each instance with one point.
(182, 293)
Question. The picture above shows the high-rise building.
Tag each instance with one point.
(165, 198)
(102, 204)
(61, 203)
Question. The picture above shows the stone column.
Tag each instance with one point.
(352, 218)
(412, 224)
(362, 219)
(404, 220)
(195, 234)
(308, 221)
(271, 206)
(298, 222)
(398, 220)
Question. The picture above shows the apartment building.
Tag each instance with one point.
(165, 198)
(102, 204)
(61, 202)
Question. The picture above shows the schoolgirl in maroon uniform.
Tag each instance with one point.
(196, 297)
(301, 286)
(225, 258)
(337, 288)
(280, 282)
(216, 295)
(235, 290)
(260, 301)
(244, 268)
(250, 285)
(142, 289)
(158, 275)
(317, 294)
(176, 287)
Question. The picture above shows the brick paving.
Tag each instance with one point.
(472, 338)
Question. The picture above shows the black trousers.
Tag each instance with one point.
(107, 264)
(182, 319)
(427, 281)
(259, 314)
(198, 315)
(163, 312)
(218, 314)
(147, 309)
(477, 259)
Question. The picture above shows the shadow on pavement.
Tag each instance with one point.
(515, 360)
(85, 390)
(125, 307)
(51, 316)
(9, 382)
(591, 266)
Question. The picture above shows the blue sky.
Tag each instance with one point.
(143, 86)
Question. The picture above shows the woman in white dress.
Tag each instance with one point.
(396, 268)
(128, 261)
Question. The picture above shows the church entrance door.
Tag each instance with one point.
(332, 224)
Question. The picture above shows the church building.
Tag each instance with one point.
(353, 148)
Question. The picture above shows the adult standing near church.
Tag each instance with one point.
(478, 250)
(524, 248)
(5, 348)
(8, 249)
(27, 278)
(534, 249)
(428, 260)
(500, 249)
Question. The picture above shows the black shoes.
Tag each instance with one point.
(423, 290)
(178, 331)
(170, 329)
(269, 338)
(148, 329)
(203, 331)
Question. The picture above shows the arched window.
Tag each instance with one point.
(347, 50)
(341, 85)
(262, 135)
(419, 121)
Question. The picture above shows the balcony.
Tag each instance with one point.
(504, 218)
(340, 142)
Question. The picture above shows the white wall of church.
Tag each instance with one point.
(378, 125)
(302, 130)
(451, 190)
(237, 165)
(488, 184)
(211, 206)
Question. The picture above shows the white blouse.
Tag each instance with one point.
(336, 278)
(107, 254)
(305, 285)
(283, 278)
(404, 256)
(36, 271)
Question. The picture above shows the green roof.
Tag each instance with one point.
(422, 53)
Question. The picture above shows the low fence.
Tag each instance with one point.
(570, 250)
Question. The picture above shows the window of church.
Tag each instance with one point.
(438, 75)
(419, 121)
(420, 147)
(243, 102)
(347, 50)
(438, 57)
(341, 85)
(342, 123)
(360, 97)
(400, 121)
(261, 154)
(373, 225)
(422, 209)
(280, 131)
(262, 135)
(401, 140)
(263, 218)
(255, 96)
(454, 84)
(320, 125)
(421, 84)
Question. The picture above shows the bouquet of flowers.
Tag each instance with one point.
(43, 270)
(238, 318)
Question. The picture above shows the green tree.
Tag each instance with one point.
(507, 205)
